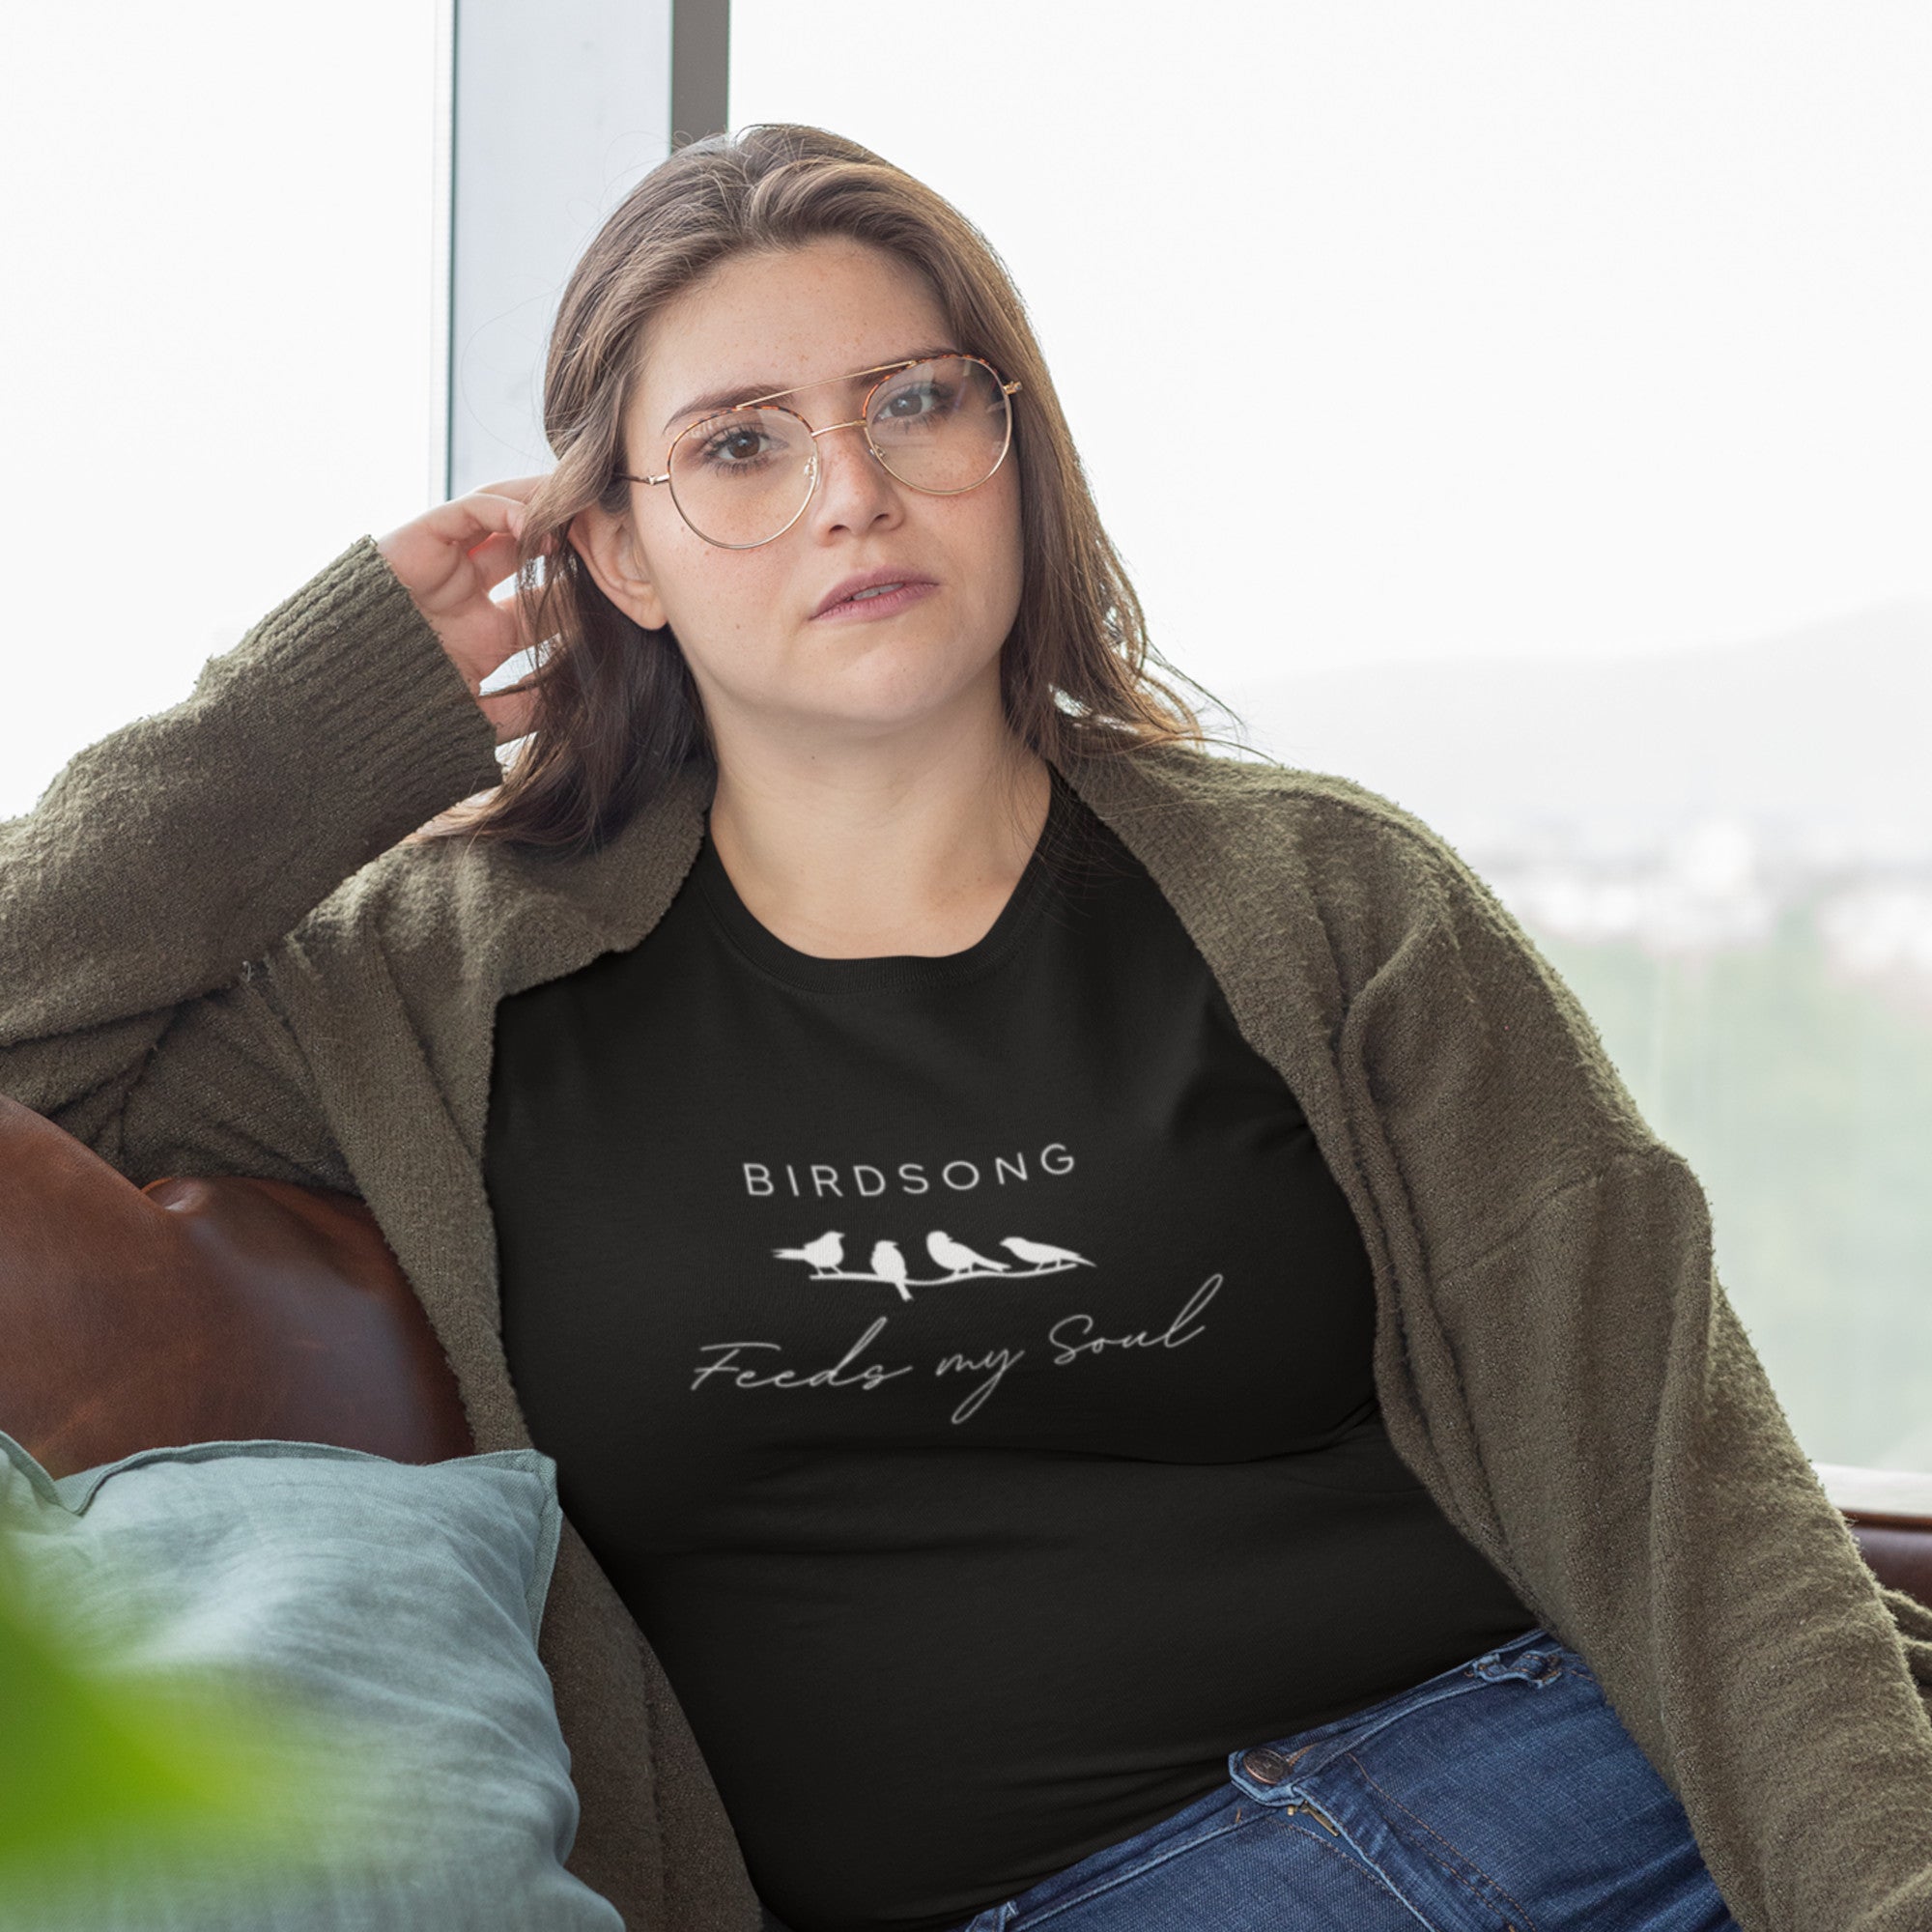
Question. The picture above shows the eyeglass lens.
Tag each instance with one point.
(742, 477)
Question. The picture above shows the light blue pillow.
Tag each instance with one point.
(398, 1603)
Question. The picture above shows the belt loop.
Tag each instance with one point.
(1533, 1666)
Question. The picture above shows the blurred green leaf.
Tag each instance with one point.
(118, 1775)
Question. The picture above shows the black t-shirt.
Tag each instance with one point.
(961, 1367)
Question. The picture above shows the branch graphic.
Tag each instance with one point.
(961, 1263)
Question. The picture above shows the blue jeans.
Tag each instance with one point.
(1501, 1793)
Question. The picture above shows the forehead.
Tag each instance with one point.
(758, 322)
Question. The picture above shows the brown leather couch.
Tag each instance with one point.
(210, 1310)
(203, 1311)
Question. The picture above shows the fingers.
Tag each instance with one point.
(486, 516)
(523, 488)
(420, 549)
(516, 490)
(471, 520)
(498, 553)
(496, 556)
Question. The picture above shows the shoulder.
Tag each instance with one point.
(433, 902)
(1361, 853)
(1427, 955)
(1266, 787)
(463, 915)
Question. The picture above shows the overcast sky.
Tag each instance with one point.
(1400, 331)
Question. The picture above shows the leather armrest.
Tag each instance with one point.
(203, 1310)
(1898, 1551)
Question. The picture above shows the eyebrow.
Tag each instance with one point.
(739, 392)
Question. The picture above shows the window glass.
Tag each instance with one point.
(1535, 426)
(216, 354)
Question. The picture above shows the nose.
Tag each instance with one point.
(852, 484)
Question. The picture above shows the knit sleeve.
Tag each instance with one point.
(1593, 1413)
(141, 899)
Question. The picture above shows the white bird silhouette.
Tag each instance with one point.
(889, 1265)
(957, 1256)
(824, 1252)
(1044, 1253)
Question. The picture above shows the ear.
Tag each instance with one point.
(608, 548)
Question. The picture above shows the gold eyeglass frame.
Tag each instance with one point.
(862, 421)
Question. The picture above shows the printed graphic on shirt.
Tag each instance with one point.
(957, 1261)
(1065, 1338)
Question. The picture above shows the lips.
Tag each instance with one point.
(866, 579)
(886, 601)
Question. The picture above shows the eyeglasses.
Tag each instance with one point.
(744, 476)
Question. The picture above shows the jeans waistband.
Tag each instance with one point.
(1270, 1772)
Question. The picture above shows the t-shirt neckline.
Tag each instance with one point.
(882, 973)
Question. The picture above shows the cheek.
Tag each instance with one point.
(729, 598)
(992, 532)
(986, 559)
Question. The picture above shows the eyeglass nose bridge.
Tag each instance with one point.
(864, 423)
(815, 469)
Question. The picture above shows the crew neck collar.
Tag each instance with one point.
(887, 972)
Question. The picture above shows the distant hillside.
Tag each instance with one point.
(1816, 735)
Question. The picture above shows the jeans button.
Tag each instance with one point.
(1266, 1766)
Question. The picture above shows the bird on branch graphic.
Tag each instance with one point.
(957, 1256)
(887, 1263)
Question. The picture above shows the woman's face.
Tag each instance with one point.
(763, 663)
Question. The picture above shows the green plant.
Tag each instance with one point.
(119, 1772)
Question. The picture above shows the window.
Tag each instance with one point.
(1539, 409)
(220, 357)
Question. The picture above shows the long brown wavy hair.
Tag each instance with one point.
(615, 711)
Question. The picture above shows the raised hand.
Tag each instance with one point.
(449, 559)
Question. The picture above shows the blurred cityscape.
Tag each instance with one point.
(1727, 854)
(1719, 884)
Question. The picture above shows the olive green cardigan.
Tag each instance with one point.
(217, 958)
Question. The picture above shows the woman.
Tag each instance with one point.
(1117, 1353)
